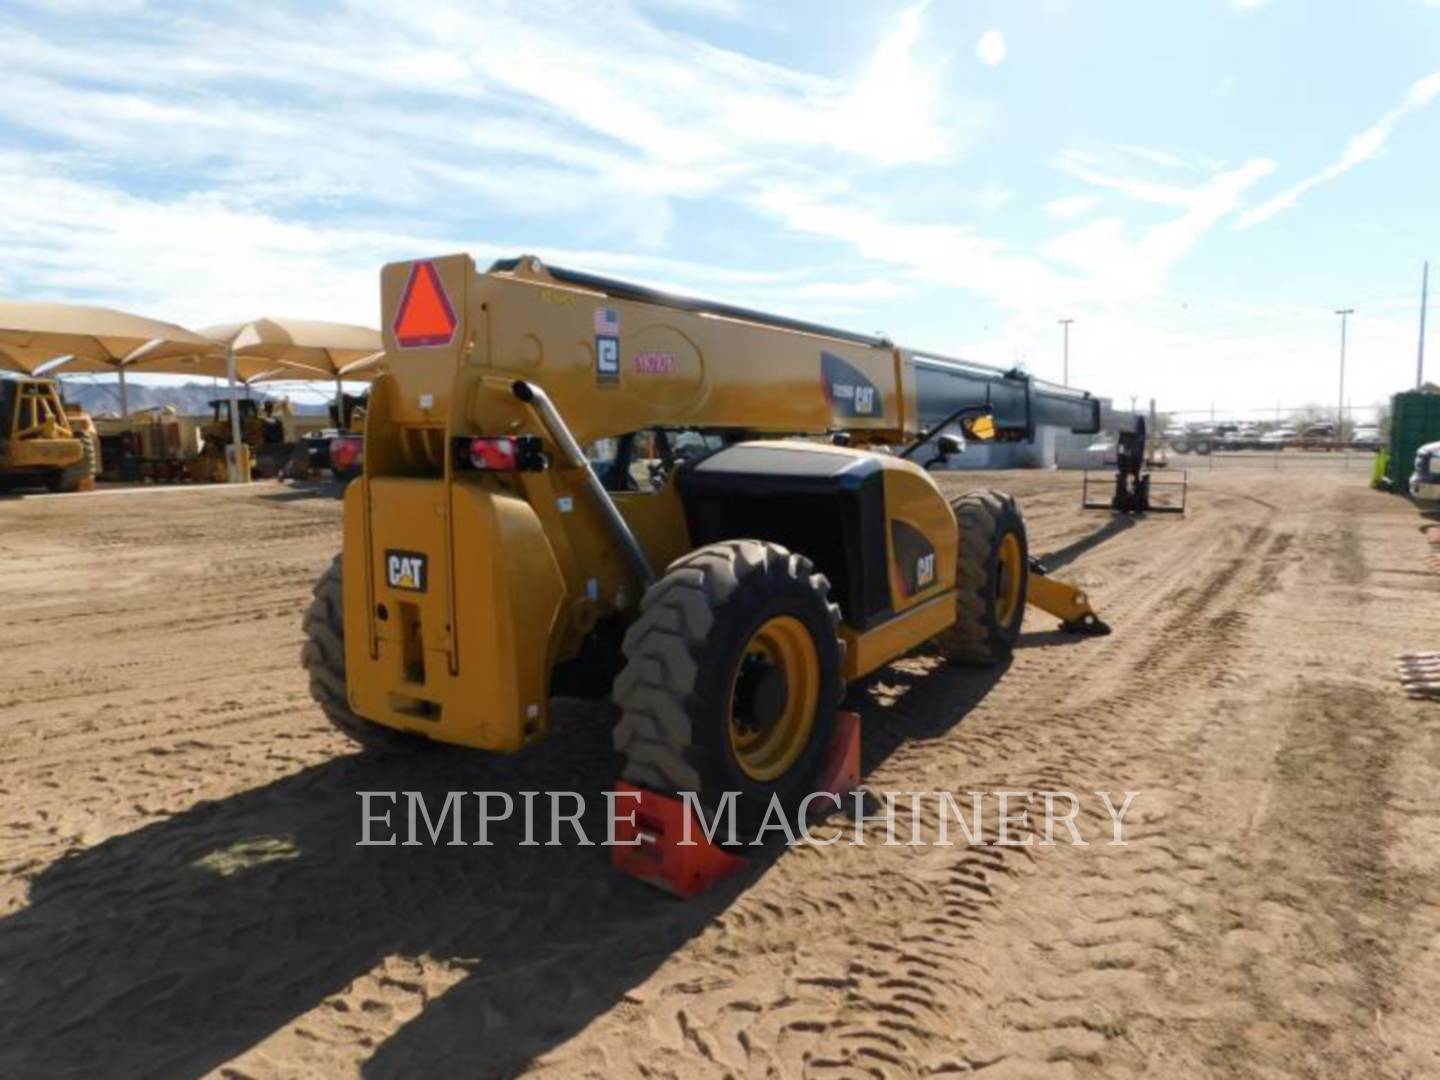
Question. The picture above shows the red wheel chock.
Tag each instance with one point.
(660, 824)
(650, 829)
(842, 760)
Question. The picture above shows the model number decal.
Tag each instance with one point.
(914, 565)
(655, 363)
(925, 570)
(850, 393)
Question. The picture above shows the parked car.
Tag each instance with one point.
(1195, 439)
(1236, 437)
(1317, 437)
(1425, 480)
(1277, 439)
(1366, 438)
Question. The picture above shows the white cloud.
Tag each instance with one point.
(936, 253)
(185, 183)
(892, 113)
(624, 104)
(1125, 267)
(1072, 206)
(726, 9)
(1360, 149)
(1088, 168)
(90, 241)
(424, 116)
(993, 198)
(991, 48)
(1247, 5)
(1157, 157)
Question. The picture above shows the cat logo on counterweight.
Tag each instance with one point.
(406, 570)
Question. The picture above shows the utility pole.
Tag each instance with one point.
(1424, 297)
(1344, 314)
(1065, 380)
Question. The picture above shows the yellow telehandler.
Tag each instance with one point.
(41, 444)
(717, 516)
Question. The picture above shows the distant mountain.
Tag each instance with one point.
(189, 399)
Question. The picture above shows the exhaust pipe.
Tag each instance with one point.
(555, 426)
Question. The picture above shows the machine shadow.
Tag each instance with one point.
(1111, 528)
(171, 949)
(301, 490)
(502, 1018)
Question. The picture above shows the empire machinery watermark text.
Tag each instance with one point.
(1017, 818)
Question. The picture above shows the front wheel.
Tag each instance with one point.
(991, 577)
(732, 678)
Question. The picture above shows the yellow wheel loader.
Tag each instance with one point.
(38, 444)
(273, 451)
(578, 485)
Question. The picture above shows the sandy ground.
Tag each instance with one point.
(180, 891)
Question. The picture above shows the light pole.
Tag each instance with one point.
(1065, 379)
(1344, 314)
(1424, 298)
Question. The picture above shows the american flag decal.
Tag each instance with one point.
(607, 322)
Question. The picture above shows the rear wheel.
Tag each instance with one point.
(323, 655)
(732, 678)
(992, 575)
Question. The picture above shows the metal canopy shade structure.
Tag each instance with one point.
(93, 339)
(366, 370)
(215, 365)
(323, 347)
(24, 361)
(307, 348)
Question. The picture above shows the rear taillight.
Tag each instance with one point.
(516, 453)
(347, 452)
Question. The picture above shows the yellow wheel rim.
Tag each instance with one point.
(1008, 572)
(773, 698)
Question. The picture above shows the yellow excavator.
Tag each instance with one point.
(718, 517)
(41, 442)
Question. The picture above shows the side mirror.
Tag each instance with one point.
(980, 428)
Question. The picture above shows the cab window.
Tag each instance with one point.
(642, 460)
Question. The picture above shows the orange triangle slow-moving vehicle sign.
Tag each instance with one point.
(425, 317)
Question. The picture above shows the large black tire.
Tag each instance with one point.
(297, 464)
(323, 655)
(683, 664)
(985, 633)
(91, 442)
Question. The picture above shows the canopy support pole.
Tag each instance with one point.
(124, 397)
(340, 417)
(235, 472)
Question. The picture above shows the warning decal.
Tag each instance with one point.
(425, 317)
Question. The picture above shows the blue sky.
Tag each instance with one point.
(1198, 184)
